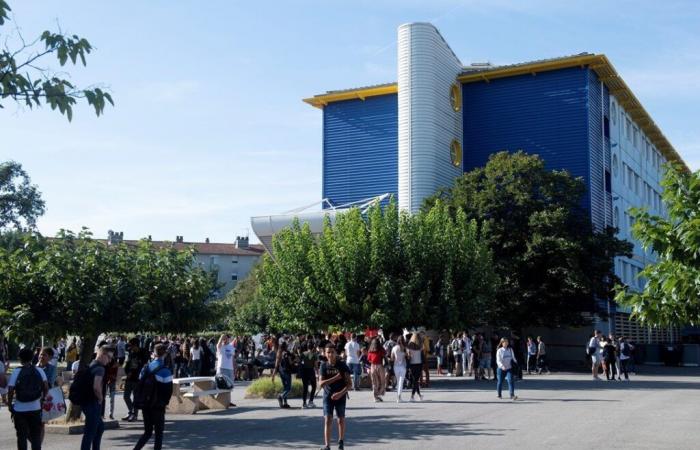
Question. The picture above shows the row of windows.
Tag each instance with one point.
(638, 333)
(630, 275)
(637, 138)
(634, 183)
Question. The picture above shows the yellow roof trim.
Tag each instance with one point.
(608, 75)
(319, 101)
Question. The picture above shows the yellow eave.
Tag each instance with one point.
(608, 75)
(319, 101)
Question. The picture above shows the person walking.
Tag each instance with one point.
(335, 381)
(283, 367)
(398, 358)
(457, 346)
(91, 405)
(308, 360)
(375, 356)
(593, 351)
(531, 355)
(625, 356)
(28, 388)
(155, 390)
(541, 356)
(609, 358)
(485, 364)
(352, 358)
(132, 370)
(467, 354)
(505, 358)
(415, 358)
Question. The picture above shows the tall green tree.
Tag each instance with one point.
(551, 263)
(244, 308)
(25, 78)
(672, 292)
(20, 200)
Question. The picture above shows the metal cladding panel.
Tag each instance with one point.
(596, 187)
(427, 121)
(544, 114)
(360, 149)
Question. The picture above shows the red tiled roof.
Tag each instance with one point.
(206, 248)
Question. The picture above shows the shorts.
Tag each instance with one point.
(596, 359)
(329, 405)
(485, 363)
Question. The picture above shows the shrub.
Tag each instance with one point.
(264, 388)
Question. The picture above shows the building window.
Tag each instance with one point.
(613, 113)
(616, 217)
(234, 260)
(456, 153)
(636, 138)
(234, 276)
(628, 128)
(637, 182)
(646, 146)
(456, 97)
(615, 164)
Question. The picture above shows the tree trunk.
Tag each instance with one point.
(86, 351)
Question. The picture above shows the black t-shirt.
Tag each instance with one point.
(329, 370)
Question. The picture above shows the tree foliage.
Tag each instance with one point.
(20, 201)
(22, 80)
(244, 308)
(672, 292)
(381, 269)
(550, 261)
(80, 286)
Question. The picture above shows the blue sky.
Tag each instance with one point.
(209, 128)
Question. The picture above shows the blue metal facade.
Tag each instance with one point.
(360, 148)
(545, 114)
(601, 201)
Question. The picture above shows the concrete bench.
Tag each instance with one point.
(194, 394)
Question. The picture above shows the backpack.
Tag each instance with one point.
(625, 349)
(29, 385)
(457, 345)
(146, 392)
(81, 389)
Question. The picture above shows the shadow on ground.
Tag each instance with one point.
(302, 431)
(546, 383)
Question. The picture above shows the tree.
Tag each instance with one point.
(22, 80)
(20, 201)
(379, 269)
(672, 292)
(551, 263)
(245, 309)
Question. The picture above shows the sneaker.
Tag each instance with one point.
(413, 399)
(279, 400)
(341, 444)
(133, 418)
(286, 406)
(499, 396)
(380, 399)
(310, 405)
(325, 448)
(514, 398)
(127, 417)
(111, 417)
(303, 406)
(420, 397)
(376, 400)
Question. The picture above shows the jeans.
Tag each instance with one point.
(531, 362)
(400, 373)
(466, 363)
(195, 367)
(111, 392)
(94, 427)
(625, 367)
(129, 387)
(227, 372)
(286, 379)
(509, 378)
(153, 418)
(28, 426)
(356, 370)
(308, 378)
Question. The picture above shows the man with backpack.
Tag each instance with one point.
(87, 390)
(457, 350)
(28, 386)
(152, 396)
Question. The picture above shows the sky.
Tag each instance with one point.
(208, 127)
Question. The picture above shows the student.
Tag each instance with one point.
(531, 355)
(625, 356)
(415, 357)
(157, 378)
(609, 358)
(398, 358)
(195, 358)
(504, 365)
(224, 356)
(352, 358)
(92, 404)
(375, 356)
(307, 366)
(593, 352)
(541, 356)
(335, 381)
(132, 369)
(28, 387)
(283, 367)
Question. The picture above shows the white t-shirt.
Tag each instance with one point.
(416, 356)
(399, 356)
(26, 406)
(196, 353)
(225, 357)
(352, 348)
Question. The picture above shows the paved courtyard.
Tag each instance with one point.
(658, 410)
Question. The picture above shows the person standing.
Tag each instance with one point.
(541, 356)
(121, 351)
(307, 366)
(71, 355)
(466, 354)
(609, 358)
(425, 342)
(132, 369)
(625, 356)
(155, 390)
(486, 350)
(504, 365)
(45, 364)
(195, 358)
(224, 356)
(457, 350)
(283, 367)
(531, 355)
(415, 357)
(375, 356)
(441, 354)
(335, 381)
(352, 357)
(28, 387)
(92, 404)
(398, 358)
(594, 353)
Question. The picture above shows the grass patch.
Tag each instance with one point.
(265, 388)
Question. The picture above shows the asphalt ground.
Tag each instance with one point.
(657, 410)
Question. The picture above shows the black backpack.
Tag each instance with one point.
(625, 349)
(81, 390)
(29, 385)
(146, 392)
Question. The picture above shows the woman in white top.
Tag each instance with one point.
(415, 358)
(505, 359)
(398, 357)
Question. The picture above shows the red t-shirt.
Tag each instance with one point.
(375, 357)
